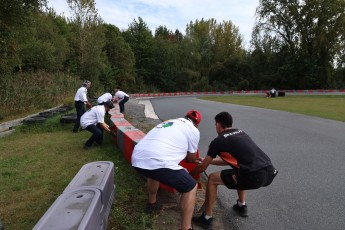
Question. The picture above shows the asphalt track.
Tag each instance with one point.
(308, 152)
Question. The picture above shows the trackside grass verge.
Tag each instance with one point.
(325, 106)
(38, 161)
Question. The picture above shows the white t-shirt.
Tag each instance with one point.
(119, 95)
(93, 116)
(105, 97)
(81, 94)
(166, 145)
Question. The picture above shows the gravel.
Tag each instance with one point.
(135, 114)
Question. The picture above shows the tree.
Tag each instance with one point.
(88, 40)
(140, 38)
(121, 61)
(211, 45)
(310, 32)
(165, 59)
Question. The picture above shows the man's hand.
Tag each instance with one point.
(199, 160)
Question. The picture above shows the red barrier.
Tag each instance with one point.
(131, 138)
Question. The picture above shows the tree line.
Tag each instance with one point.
(295, 45)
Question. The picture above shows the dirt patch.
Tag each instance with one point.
(169, 218)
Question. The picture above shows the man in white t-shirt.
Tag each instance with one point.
(273, 92)
(105, 97)
(80, 100)
(157, 157)
(121, 97)
(93, 121)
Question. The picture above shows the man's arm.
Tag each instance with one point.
(202, 166)
(218, 161)
(191, 157)
(88, 104)
(206, 162)
(105, 127)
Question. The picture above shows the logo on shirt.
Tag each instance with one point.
(165, 124)
(233, 133)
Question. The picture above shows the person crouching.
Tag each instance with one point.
(93, 121)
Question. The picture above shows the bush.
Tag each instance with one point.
(33, 92)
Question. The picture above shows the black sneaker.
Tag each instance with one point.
(151, 208)
(202, 222)
(241, 210)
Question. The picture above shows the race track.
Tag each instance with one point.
(308, 152)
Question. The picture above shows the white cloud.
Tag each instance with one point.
(174, 14)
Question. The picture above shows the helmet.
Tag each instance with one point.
(194, 115)
(109, 104)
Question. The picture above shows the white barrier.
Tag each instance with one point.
(86, 202)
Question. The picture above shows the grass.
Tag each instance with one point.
(325, 106)
(38, 161)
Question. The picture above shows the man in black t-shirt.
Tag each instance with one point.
(251, 167)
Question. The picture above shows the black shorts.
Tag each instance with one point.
(261, 178)
(180, 180)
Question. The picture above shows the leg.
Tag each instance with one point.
(80, 109)
(205, 220)
(152, 188)
(214, 180)
(97, 135)
(187, 203)
(122, 106)
(241, 195)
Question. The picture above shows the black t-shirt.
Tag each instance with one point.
(236, 148)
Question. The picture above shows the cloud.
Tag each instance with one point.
(174, 14)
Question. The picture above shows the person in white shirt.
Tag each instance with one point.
(80, 100)
(273, 92)
(105, 97)
(157, 157)
(121, 97)
(93, 121)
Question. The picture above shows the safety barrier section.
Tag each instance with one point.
(86, 201)
(78, 209)
(127, 136)
(238, 92)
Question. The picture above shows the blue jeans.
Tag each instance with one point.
(97, 135)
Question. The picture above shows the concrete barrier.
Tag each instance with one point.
(86, 201)
(79, 209)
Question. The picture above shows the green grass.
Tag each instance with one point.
(325, 106)
(38, 161)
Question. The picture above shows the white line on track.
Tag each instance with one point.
(149, 111)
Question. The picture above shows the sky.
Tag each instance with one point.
(174, 14)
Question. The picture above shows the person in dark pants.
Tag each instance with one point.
(251, 168)
(121, 97)
(80, 100)
(93, 121)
